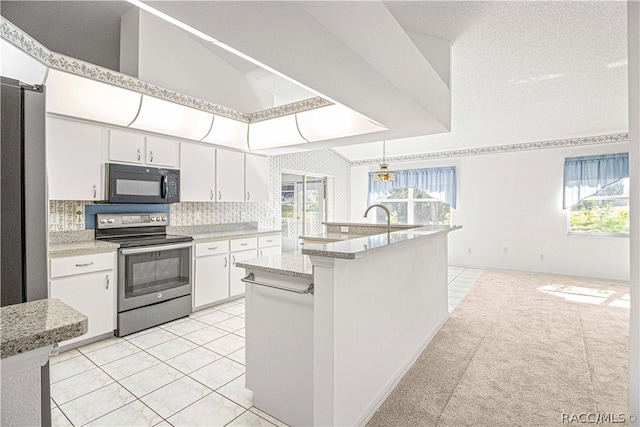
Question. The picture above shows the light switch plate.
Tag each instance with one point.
(344, 229)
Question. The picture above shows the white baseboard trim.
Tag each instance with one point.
(393, 382)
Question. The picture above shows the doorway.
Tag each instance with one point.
(304, 208)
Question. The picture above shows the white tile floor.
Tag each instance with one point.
(460, 281)
(184, 373)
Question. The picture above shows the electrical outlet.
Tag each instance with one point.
(226, 216)
(197, 216)
(243, 215)
(469, 250)
(541, 257)
(506, 250)
(344, 229)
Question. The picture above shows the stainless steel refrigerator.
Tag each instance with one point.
(23, 203)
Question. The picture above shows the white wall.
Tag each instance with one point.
(514, 201)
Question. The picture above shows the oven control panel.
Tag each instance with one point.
(131, 220)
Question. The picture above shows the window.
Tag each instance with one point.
(596, 191)
(417, 196)
(413, 206)
(606, 212)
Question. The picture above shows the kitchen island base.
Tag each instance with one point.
(334, 357)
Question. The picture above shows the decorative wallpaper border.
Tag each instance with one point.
(497, 149)
(26, 43)
(23, 41)
(294, 107)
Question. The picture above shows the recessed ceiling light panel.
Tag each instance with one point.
(158, 115)
(75, 96)
(334, 121)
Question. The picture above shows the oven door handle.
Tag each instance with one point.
(154, 248)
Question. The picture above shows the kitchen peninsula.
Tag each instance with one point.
(331, 331)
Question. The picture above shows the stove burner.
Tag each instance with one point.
(136, 241)
(134, 230)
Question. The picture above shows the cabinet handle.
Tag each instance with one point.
(211, 195)
(151, 156)
(225, 261)
(213, 249)
(95, 191)
(248, 196)
(234, 259)
(107, 282)
(139, 154)
(54, 350)
(86, 264)
(270, 240)
(219, 194)
(260, 254)
(244, 244)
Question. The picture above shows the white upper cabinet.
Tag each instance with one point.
(126, 146)
(257, 176)
(230, 176)
(136, 148)
(162, 152)
(75, 166)
(197, 173)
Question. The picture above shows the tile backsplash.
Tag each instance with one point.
(66, 215)
(70, 215)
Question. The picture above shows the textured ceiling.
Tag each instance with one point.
(520, 71)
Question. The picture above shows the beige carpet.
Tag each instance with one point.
(511, 355)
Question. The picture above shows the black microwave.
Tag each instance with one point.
(142, 184)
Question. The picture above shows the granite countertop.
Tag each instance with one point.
(363, 246)
(371, 225)
(199, 235)
(81, 248)
(292, 264)
(37, 324)
(83, 242)
(329, 237)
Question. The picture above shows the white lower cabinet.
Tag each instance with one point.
(271, 250)
(211, 273)
(216, 276)
(236, 285)
(269, 245)
(211, 279)
(88, 284)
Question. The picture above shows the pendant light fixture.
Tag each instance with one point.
(384, 174)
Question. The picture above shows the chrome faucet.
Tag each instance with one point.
(384, 208)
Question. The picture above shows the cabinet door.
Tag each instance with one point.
(162, 152)
(230, 176)
(93, 295)
(257, 176)
(271, 250)
(126, 146)
(211, 279)
(236, 286)
(197, 173)
(75, 162)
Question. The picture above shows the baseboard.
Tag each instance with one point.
(87, 341)
(393, 382)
